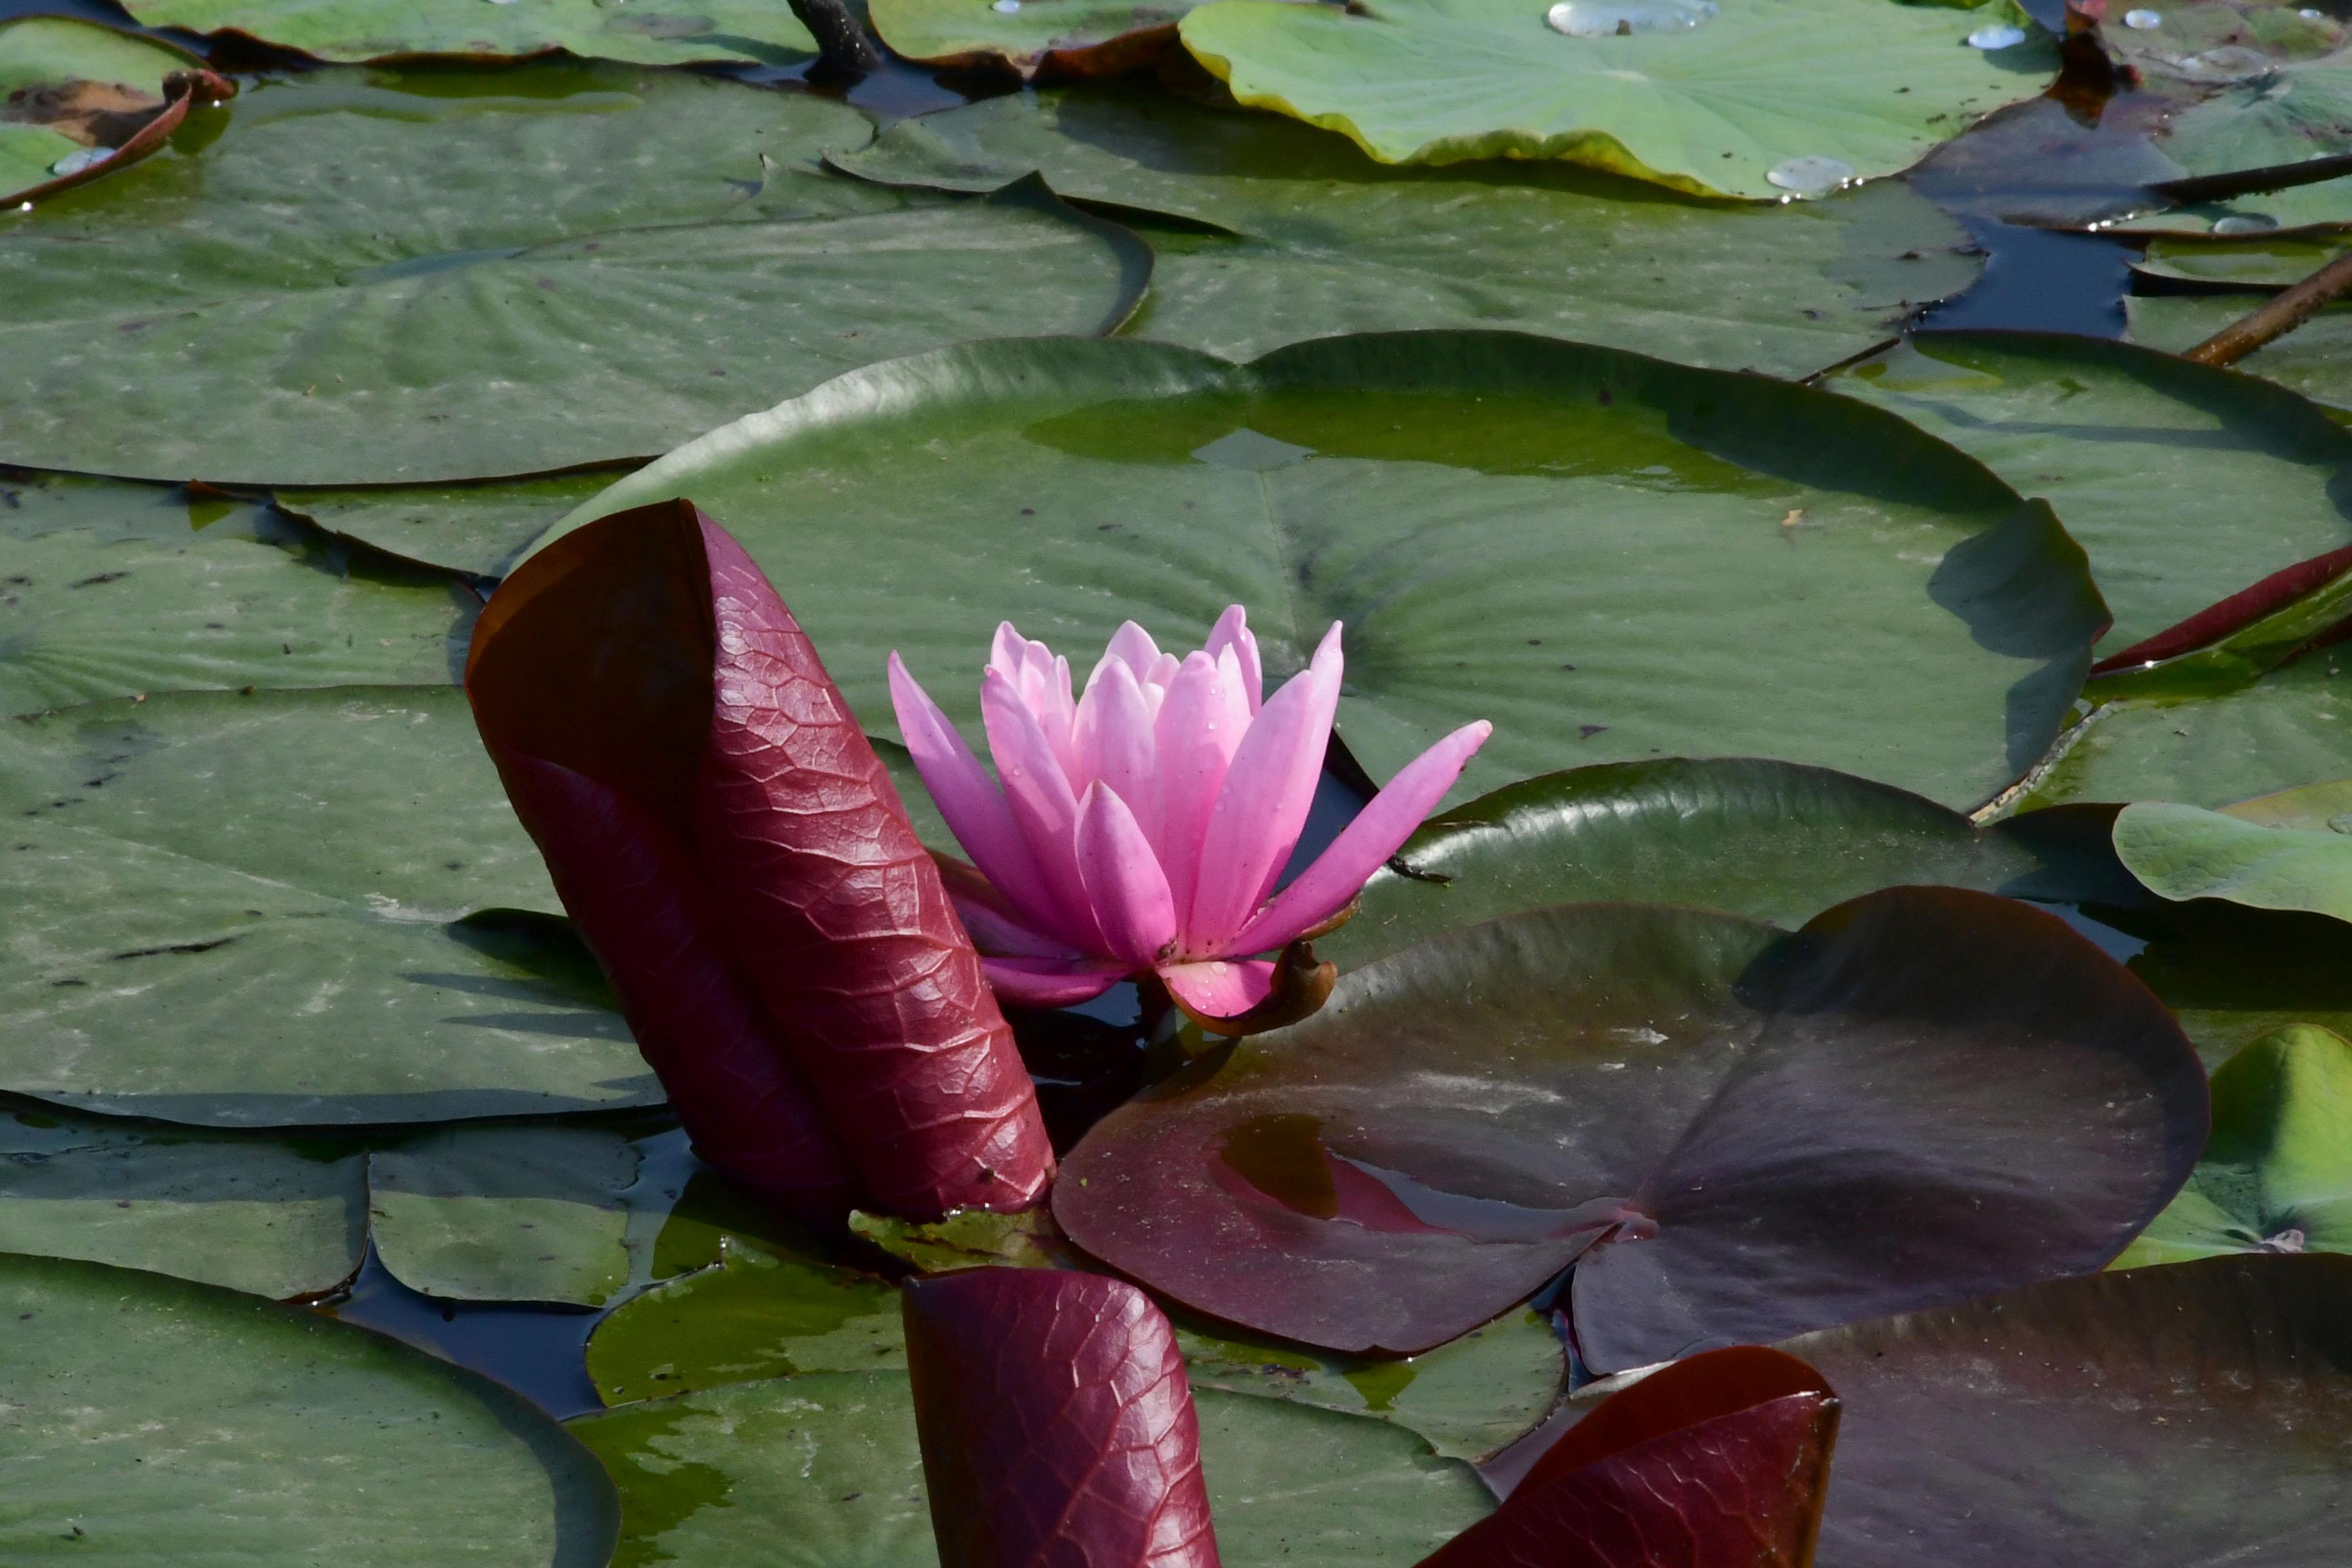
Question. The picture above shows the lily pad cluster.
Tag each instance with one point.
(1857, 1062)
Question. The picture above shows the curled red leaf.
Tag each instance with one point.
(1717, 1461)
(1055, 1424)
(737, 857)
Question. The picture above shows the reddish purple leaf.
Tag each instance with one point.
(2234, 614)
(1718, 1461)
(1055, 1424)
(735, 854)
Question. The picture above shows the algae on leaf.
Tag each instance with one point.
(1759, 98)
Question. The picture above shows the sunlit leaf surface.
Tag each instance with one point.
(648, 31)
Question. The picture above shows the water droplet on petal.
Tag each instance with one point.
(2245, 223)
(2143, 19)
(74, 162)
(1809, 175)
(1996, 37)
(1614, 18)
(1006, 7)
(2308, 15)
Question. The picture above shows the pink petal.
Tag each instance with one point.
(1200, 727)
(1339, 874)
(1132, 644)
(1232, 631)
(1123, 880)
(1030, 983)
(970, 801)
(998, 932)
(1263, 804)
(1218, 989)
(1116, 747)
(1043, 807)
(1043, 681)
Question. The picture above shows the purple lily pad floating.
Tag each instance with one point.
(1924, 1095)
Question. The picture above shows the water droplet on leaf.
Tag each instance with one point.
(2143, 19)
(1809, 175)
(1996, 37)
(2245, 223)
(1617, 18)
(1006, 7)
(74, 162)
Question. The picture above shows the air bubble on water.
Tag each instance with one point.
(1613, 18)
(1996, 37)
(2143, 19)
(1810, 176)
(1006, 7)
(82, 158)
(2245, 223)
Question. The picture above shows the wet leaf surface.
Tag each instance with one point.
(1748, 1131)
(1752, 568)
(571, 265)
(139, 1404)
(1318, 238)
(2310, 360)
(649, 32)
(1710, 97)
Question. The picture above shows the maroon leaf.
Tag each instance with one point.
(1734, 1132)
(735, 854)
(1716, 1462)
(1055, 1424)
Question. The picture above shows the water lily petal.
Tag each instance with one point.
(968, 799)
(1116, 745)
(1131, 645)
(1232, 631)
(1124, 880)
(1263, 804)
(1042, 680)
(1200, 727)
(1341, 871)
(1218, 988)
(1042, 806)
(1035, 982)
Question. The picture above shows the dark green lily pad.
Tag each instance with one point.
(110, 589)
(143, 1408)
(1717, 98)
(2312, 359)
(1317, 238)
(265, 1217)
(253, 911)
(1608, 556)
(648, 31)
(2277, 1176)
(823, 1471)
(476, 529)
(2138, 452)
(498, 274)
(1927, 1094)
(506, 1213)
(2232, 975)
(2261, 261)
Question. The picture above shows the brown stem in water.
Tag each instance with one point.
(2278, 316)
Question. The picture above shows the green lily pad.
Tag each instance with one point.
(506, 1213)
(499, 273)
(2187, 852)
(269, 1218)
(253, 911)
(1082, 37)
(1769, 840)
(142, 1409)
(2138, 452)
(821, 1472)
(1317, 238)
(648, 31)
(1608, 556)
(2277, 1175)
(2291, 727)
(70, 91)
(110, 589)
(755, 1314)
(2264, 261)
(476, 529)
(2315, 359)
(1711, 98)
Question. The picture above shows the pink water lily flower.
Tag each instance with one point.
(1141, 827)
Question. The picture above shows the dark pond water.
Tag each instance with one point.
(2042, 161)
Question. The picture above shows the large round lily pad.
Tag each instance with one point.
(110, 589)
(1924, 1095)
(821, 1472)
(1319, 238)
(151, 1420)
(2138, 452)
(1742, 98)
(437, 277)
(646, 32)
(308, 952)
(1608, 556)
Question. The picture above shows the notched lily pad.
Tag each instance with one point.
(1924, 1095)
